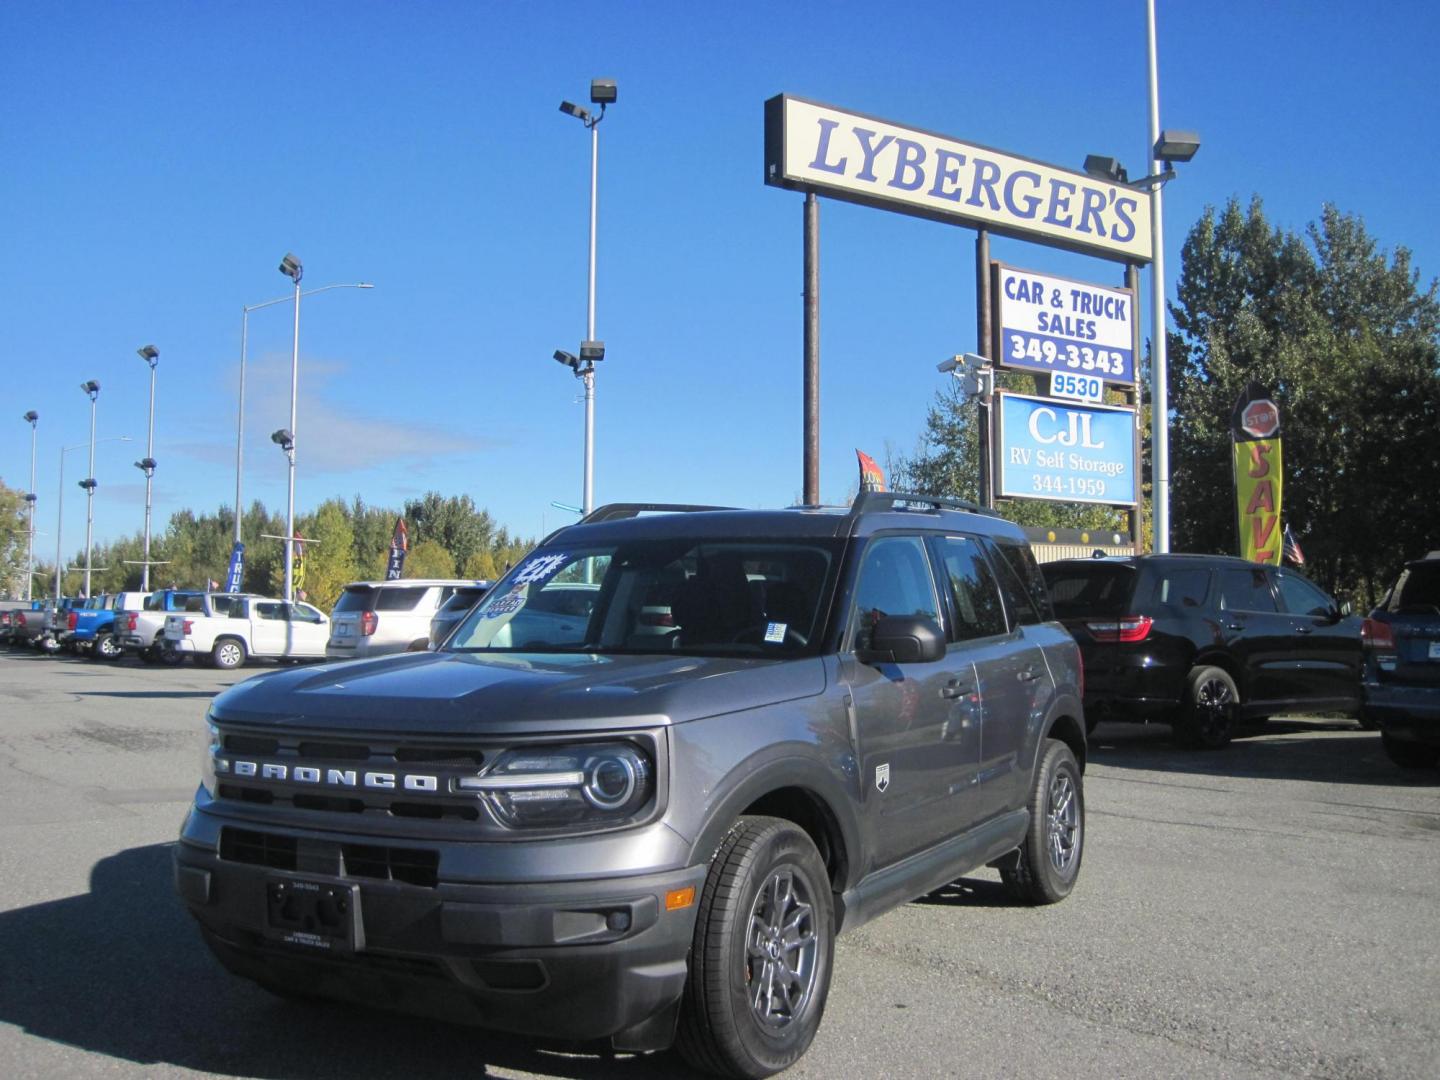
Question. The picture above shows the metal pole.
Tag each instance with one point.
(90, 497)
(1159, 389)
(588, 499)
(1132, 396)
(983, 346)
(290, 501)
(240, 419)
(59, 525)
(149, 477)
(30, 498)
(811, 318)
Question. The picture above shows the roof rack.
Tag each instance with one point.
(871, 501)
(617, 511)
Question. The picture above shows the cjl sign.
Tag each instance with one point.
(1063, 451)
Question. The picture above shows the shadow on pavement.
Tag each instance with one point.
(144, 694)
(1284, 748)
(969, 892)
(121, 971)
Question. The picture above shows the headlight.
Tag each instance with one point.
(207, 763)
(554, 787)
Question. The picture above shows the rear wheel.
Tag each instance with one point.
(760, 965)
(1049, 859)
(1410, 755)
(106, 648)
(227, 653)
(1207, 719)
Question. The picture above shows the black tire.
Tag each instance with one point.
(1049, 859)
(1367, 721)
(766, 910)
(1410, 755)
(169, 657)
(1207, 718)
(227, 653)
(106, 647)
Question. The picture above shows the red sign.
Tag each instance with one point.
(1261, 418)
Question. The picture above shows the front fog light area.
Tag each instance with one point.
(604, 784)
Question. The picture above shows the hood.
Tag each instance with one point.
(460, 693)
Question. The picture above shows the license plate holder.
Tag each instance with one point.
(1435, 650)
(319, 916)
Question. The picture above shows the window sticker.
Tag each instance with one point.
(775, 632)
(540, 568)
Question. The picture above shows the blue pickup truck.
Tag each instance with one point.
(92, 627)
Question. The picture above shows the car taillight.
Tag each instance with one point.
(20, 618)
(72, 621)
(368, 622)
(130, 620)
(1127, 628)
(189, 625)
(1377, 634)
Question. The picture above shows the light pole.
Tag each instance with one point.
(60, 503)
(291, 268)
(92, 391)
(32, 418)
(240, 411)
(602, 93)
(151, 356)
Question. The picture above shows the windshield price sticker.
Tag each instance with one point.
(1053, 324)
(1064, 451)
(1064, 384)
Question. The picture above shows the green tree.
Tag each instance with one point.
(1346, 340)
(14, 540)
(330, 563)
(454, 523)
(429, 559)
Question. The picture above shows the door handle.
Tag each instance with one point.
(1235, 626)
(1304, 629)
(1030, 674)
(955, 689)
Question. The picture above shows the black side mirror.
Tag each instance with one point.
(904, 639)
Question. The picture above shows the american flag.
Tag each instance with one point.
(1291, 550)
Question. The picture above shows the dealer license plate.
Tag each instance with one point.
(323, 916)
(1435, 650)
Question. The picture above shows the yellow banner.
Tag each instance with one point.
(1258, 490)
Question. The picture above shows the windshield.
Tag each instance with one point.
(699, 597)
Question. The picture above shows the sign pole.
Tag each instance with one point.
(983, 347)
(1132, 397)
(811, 407)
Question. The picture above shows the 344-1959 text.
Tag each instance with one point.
(1080, 487)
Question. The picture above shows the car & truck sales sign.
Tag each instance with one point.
(858, 158)
(1064, 451)
(1056, 325)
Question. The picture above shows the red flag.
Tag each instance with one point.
(872, 478)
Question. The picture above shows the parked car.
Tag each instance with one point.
(1203, 642)
(141, 628)
(225, 629)
(56, 623)
(92, 627)
(1402, 666)
(647, 837)
(373, 618)
(29, 625)
(455, 609)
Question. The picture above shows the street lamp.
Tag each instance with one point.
(60, 503)
(151, 356)
(602, 93)
(240, 410)
(291, 268)
(31, 418)
(92, 391)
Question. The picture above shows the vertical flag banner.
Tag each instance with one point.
(872, 477)
(399, 545)
(1256, 453)
(297, 568)
(1291, 549)
(236, 572)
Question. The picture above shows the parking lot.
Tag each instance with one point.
(1269, 910)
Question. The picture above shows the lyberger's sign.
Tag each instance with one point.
(847, 155)
(1255, 431)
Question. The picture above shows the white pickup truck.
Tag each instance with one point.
(229, 628)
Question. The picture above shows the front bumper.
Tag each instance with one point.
(569, 960)
(1409, 713)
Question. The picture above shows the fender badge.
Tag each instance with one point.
(882, 776)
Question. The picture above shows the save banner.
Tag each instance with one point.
(1258, 462)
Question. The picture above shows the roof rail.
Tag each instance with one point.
(617, 511)
(871, 501)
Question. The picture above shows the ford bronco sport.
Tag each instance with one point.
(648, 824)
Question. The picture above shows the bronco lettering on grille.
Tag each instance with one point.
(326, 777)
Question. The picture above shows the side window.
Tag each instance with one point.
(1182, 588)
(304, 613)
(894, 580)
(973, 589)
(1246, 590)
(1302, 598)
(271, 610)
(1021, 560)
(1019, 601)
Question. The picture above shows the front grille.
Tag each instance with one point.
(412, 866)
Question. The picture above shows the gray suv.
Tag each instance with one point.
(647, 824)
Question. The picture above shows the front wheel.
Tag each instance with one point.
(1207, 719)
(764, 943)
(1409, 755)
(227, 653)
(1049, 859)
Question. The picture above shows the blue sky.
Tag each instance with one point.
(160, 158)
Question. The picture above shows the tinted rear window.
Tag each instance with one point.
(1418, 589)
(1098, 588)
(369, 598)
(1184, 588)
(462, 600)
(355, 600)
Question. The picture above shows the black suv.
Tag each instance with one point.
(647, 824)
(1204, 641)
(1402, 665)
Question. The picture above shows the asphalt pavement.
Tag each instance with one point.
(1271, 910)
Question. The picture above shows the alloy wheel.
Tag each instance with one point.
(781, 950)
(1062, 825)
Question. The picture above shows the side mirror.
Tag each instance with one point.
(904, 639)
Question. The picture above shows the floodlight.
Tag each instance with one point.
(569, 359)
(1176, 145)
(291, 268)
(575, 110)
(89, 485)
(145, 464)
(149, 354)
(1106, 168)
(90, 387)
(590, 351)
(283, 439)
(602, 91)
(31, 416)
